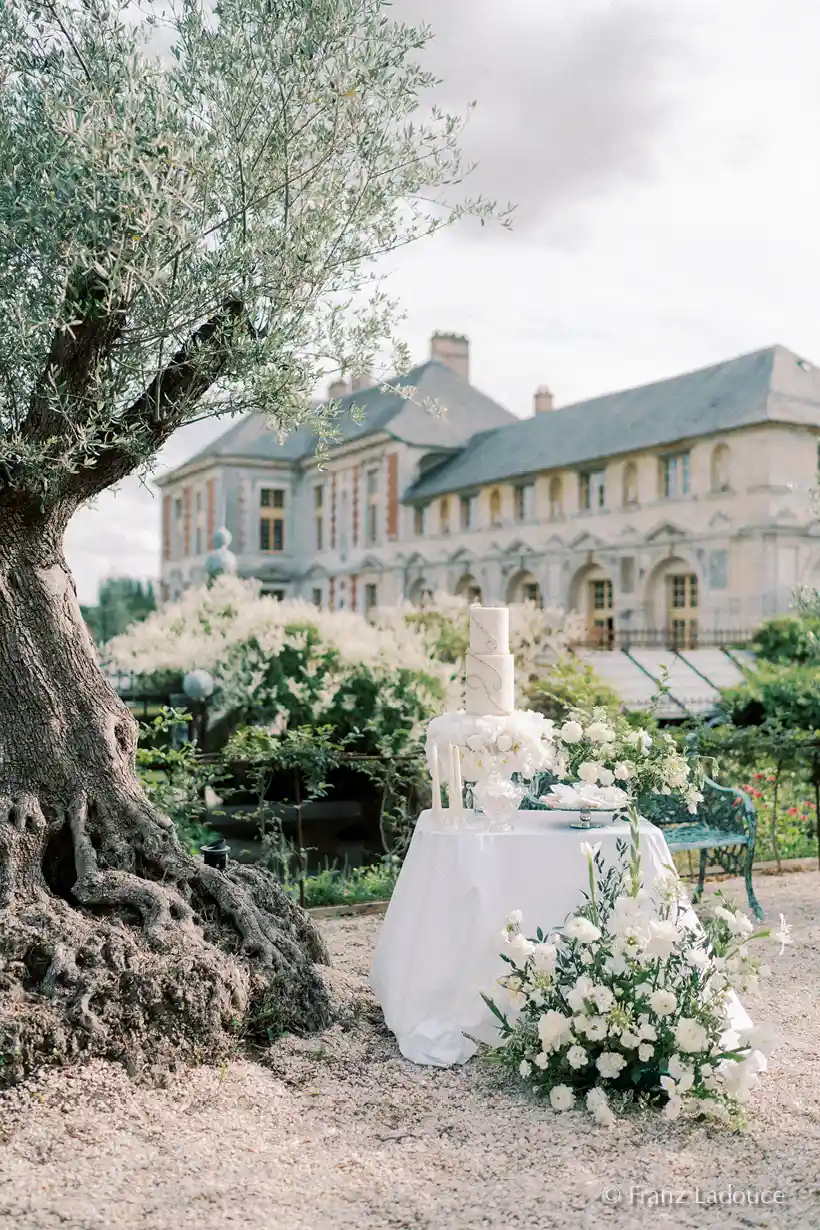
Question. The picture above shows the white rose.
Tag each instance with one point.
(571, 732)
(577, 1057)
(582, 930)
(606, 777)
(589, 771)
(562, 1097)
(504, 743)
(623, 771)
(524, 1068)
(596, 1098)
(596, 1028)
(610, 1064)
(629, 1041)
(520, 948)
(553, 1028)
(542, 1060)
(599, 732)
(663, 1002)
(690, 1035)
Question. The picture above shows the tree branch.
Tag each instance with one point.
(150, 420)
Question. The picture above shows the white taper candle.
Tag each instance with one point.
(458, 789)
(436, 775)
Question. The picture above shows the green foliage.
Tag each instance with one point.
(349, 885)
(175, 779)
(572, 684)
(195, 233)
(775, 696)
(789, 639)
(447, 632)
(121, 602)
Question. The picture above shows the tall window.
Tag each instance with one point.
(271, 519)
(630, 485)
(317, 598)
(683, 611)
(495, 506)
(198, 524)
(720, 468)
(524, 502)
(675, 476)
(601, 619)
(467, 505)
(371, 598)
(418, 520)
(556, 498)
(372, 507)
(592, 490)
(179, 514)
(319, 515)
(444, 516)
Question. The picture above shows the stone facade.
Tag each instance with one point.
(688, 540)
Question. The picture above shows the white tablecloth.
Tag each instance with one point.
(439, 945)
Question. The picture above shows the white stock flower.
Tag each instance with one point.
(514, 919)
(576, 997)
(571, 732)
(616, 964)
(760, 1038)
(520, 948)
(602, 997)
(581, 929)
(663, 1002)
(596, 1028)
(690, 1035)
(577, 1057)
(681, 1072)
(554, 1029)
(544, 957)
(610, 1064)
(663, 936)
(561, 1097)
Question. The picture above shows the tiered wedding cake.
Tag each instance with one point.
(490, 667)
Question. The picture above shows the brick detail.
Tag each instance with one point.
(332, 515)
(210, 515)
(392, 495)
(186, 495)
(166, 526)
(355, 510)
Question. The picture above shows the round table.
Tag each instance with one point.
(440, 942)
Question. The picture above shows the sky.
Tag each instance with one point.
(662, 155)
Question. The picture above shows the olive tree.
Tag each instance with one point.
(182, 234)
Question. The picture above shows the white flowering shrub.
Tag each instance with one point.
(291, 664)
(626, 1002)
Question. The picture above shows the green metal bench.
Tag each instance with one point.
(726, 823)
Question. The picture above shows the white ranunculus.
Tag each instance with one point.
(590, 771)
(645, 1052)
(663, 1002)
(578, 994)
(553, 1029)
(602, 997)
(646, 1030)
(606, 777)
(520, 948)
(544, 957)
(581, 929)
(610, 1064)
(599, 732)
(504, 743)
(561, 1097)
(629, 1040)
(663, 936)
(616, 964)
(577, 1057)
(571, 732)
(596, 1028)
(690, 1035)
(596, 1098)
(542, 1060)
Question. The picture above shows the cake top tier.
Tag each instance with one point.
(489, 629)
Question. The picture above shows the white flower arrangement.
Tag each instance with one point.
(626, 1002)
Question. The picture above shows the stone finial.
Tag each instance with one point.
(221, 561)
(454, 350)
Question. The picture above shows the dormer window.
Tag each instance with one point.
(675, 476)
(592, 490)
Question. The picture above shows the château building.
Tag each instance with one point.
(682, 510)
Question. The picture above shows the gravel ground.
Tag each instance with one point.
(340, 1132)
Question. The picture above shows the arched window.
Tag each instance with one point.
(444, 516)
(630, 494)
(495, 506)
(556, 498)
(720, 468)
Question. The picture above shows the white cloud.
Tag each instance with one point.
(670, 196)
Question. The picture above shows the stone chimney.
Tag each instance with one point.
(543, 401)
(362, 380)
(452, 349)
(336, 389)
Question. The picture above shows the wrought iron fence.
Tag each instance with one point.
(662, 638)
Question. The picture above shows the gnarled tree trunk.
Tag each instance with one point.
(113, 940)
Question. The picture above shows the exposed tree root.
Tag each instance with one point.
(115, 942)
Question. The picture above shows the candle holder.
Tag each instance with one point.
(215, 853)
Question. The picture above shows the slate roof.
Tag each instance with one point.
(467, 411)
(770, 385)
